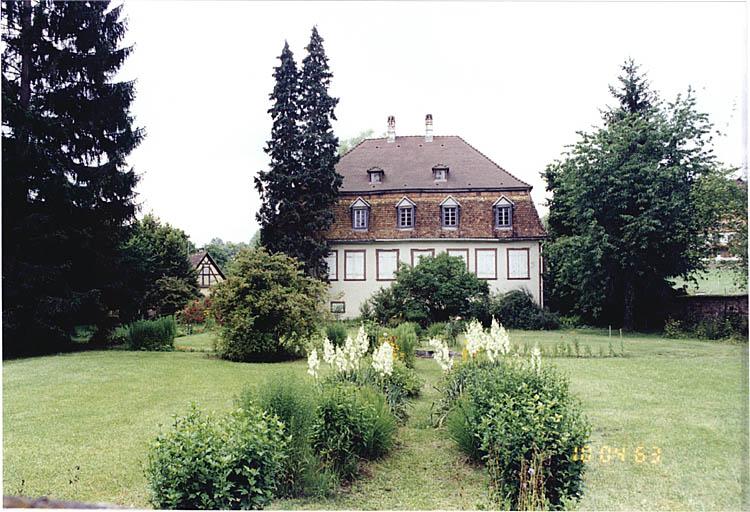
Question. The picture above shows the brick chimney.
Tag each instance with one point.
(428, 128)
(391, 128)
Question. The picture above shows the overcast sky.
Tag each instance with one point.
(515, 80)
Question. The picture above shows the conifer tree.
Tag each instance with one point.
(67, 192)
(319, 155)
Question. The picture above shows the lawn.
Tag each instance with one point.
(718, 279)
(76, 426)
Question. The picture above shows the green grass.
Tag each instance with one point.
(96, 411)
(717, 280)
(203, 342)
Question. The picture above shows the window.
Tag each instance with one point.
(354, 266)
(332, 264)
(387, 263)
(376, 177)
(418, 254)
(359, 218)
(440, 173)
(460, 253)
(406, 217)
(502, 216)
(486, 263)
(338, 307)
(360, 214)
(206, 275)
(449, 212)
(518, 264)
(503, 213)
(450, 216)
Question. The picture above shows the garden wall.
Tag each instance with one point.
(700, 307)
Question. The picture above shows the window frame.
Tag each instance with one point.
(335, 254)
(443, 212)
(509, 210)
(337, 302)
(412, 214)
(476, 263)
(528, 263)
(366, 218)
(364, 265)
(377, 264)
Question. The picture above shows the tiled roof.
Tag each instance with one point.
(197, 257)
(408, 162)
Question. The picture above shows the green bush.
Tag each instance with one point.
(352, 424)
(268, 309)
(337, 333)
(406, 378)
(405, 336)
(510, 415)
(434, 290)
(293, 401)
(437, 330)
(516, 309)
(155, 334)
(209, 462)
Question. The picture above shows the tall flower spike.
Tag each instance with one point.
(313, 363)
(536, 359)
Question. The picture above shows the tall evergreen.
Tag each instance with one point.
(67, 192)
(300, 187)
(319, 156)
(279, 189)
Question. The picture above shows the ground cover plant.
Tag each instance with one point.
(97, 411)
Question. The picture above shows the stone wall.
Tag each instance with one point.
(694, 308)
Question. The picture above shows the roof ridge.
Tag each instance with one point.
(494, 163)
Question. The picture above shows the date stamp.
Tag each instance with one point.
(614, 454)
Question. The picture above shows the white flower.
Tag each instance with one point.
(536, 358)
(498, 342)
(382, 359)
(362, 343)
(313, 363)
(475, 338)
(329, 351)
(442, 354)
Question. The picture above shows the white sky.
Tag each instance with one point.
(515, 80)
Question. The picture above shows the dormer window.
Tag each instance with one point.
(450, 213)
(360, 214)
(503, 212)
(376, 175)
(405, 213)
(440, 173)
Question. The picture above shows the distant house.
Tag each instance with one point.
(208, 271)
(405, 198)
(725, 231)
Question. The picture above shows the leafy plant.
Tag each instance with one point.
(267, 308)
(516, 309)
(336, 332)
(155, 334)
(209, 462)
(405, 336)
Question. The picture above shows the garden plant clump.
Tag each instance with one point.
(217, 462)
(155, 334)
(515, 415)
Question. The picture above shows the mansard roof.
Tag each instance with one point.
(408, 163)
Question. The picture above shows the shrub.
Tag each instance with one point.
(437, 330)
(337, 333)
(352, 423)
(293, 401)
(208, 462)
(511, 416)
(155, 334)
(673, 328)
(194, 313)
(516, 309)
(268, 309)
(434, 290)
(170, 294)
(571, 322)
(406, 340)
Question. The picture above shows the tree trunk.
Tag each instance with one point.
(628, 319)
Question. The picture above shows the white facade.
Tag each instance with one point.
(357, 270)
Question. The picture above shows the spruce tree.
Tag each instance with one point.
(67, 192)
(319, 155)
(280, 214)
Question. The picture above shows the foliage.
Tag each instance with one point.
(162, 280)
(301, 185)
(632, 204)
(267, 308)
(294, 403)
(155, 334)
(352, 423)
(516, 309)
(405, 337)
(194, 313)
(223, 252)
(507, 414)
(207, 462)
(716, 327)
(336, 332)
(67, 191)
(434, 290)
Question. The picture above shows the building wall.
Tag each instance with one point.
(354, 293)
